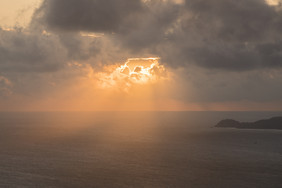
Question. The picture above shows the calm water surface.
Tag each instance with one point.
(137, 149)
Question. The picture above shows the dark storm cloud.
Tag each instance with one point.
(224, 34)
(151, 28)
(136, 23)
(29, 52)
(33, 51)
(88, 15)
(79, 48)
(227, 20)
(215, 34)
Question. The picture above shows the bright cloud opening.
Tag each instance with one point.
(273, 2)
(135, 71)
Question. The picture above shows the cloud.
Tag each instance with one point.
(200, 85)
(230, 35)
(25, 50)
(226, 35)
(220, 34)
(5, 86)
(22, 51)
(88, 15)
(135, 71)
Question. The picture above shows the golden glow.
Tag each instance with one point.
(91, 34)
(135, 71)
(146, 85)
(273, 2)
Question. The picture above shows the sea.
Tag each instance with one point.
(137, 149)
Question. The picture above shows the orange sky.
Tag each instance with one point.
(17, 12)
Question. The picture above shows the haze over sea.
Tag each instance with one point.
(137, 149)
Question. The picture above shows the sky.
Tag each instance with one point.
(84, 55)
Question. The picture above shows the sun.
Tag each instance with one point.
(135, 71)
(141, 70)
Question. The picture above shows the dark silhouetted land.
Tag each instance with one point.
(272, 123)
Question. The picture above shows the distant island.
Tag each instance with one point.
(272, 123)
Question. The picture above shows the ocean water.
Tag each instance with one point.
(137, 149)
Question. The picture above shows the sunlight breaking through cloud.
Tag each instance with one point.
(135, 71)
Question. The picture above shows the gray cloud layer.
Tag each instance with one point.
(224, 34)
(88, 15)
(28, 52)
